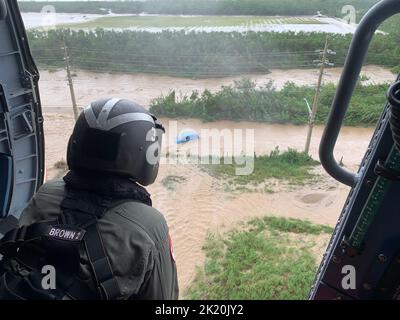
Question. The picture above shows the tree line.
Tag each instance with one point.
(245, 102)
(197, 54)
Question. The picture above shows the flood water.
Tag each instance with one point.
(38, 19)
(198, 203)
(351, 145)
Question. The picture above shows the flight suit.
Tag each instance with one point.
(136, 241)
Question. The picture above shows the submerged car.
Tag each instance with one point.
(187, 135)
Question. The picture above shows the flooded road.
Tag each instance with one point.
(143, 88)
(351, 144)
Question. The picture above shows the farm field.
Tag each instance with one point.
(165, 21)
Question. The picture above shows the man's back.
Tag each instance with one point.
(135, 238)
(122, 247)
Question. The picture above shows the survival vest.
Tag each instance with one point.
(29, 250)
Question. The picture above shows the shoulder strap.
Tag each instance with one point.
(85, 209)
(77, 223)
(100, 264)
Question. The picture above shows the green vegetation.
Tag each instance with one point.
(290, 225)
(226, 7)
(290, 165)
(171, 181)
(191, 54)
(190, 21)
(244, 101)
(61, 164)
(270, 258)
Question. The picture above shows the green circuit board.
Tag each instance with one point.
(374, 202)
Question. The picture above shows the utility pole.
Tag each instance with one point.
(312, 115)
(70, 83)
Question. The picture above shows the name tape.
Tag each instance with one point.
(66, 233)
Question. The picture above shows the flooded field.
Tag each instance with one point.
(159, 23)
(143, 88)
(187, 21)
(194, 203)
(51, 19)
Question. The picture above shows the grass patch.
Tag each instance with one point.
(170, 182)
(187, 22)
(257, 262)
(268, 190)
(290, 165)
(290, 225)
(61, 164)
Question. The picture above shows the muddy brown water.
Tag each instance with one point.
(194, 203)
(143, 88)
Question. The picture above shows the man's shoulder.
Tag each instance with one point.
(126, 215)
(45, 204)
(144, 218)
(55, 187)
(131, 210)
(144, 212)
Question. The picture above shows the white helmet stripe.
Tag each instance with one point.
(128, 117)
(103, 123)
(89, 116)
(105, 111)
